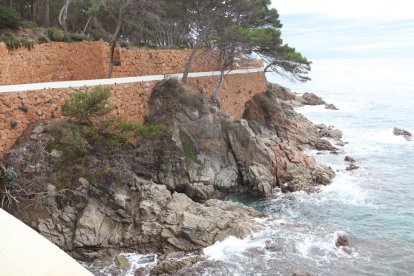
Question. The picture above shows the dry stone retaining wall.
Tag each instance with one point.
(19, 109)
(58, 61)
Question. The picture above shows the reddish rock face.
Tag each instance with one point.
(342, 241)
(312, 99)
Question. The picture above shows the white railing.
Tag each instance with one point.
(83, 83)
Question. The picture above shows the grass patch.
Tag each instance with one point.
(15, 43)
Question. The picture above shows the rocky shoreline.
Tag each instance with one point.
(166, 195)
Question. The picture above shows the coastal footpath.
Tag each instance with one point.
(24, 252)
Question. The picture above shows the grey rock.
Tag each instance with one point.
(312, 99)
(352, 167)
(331, 107)
(56, 154)
(122, 262)
(38, 130)
(349, 159)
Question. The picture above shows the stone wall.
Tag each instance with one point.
(19, 109)
(57, 61)
(158, 62)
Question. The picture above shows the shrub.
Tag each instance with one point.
(128, 129)
(68, 138)
(79, 37)
(85, 105)
(8, 176)
(9, 18)
(55, 34)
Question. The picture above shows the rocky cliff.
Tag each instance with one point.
(165, 194)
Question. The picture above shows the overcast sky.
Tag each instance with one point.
(348, 29)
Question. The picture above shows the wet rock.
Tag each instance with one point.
(312, 99)
(173, 265)
(352, 167)
(347, 249)
(142, 271)
(349, 159)
(330, 132)
(301, 273)
(122, 262)
(342, 240)
(331, 107)
(401, 132)
(272, 246)
(341, 143)
(322, 144)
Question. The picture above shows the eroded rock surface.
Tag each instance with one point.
(287, 133)
(164, 195)
(312, 99)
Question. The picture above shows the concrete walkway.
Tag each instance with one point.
(25, 252)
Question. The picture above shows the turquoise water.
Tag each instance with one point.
(374, 205)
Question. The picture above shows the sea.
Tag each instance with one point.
(373, 206)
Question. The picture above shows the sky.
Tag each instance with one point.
(326, 29)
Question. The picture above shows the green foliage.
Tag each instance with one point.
(15, 43)
(55, 34)
(9, 18)
(86, 105)
(8, 176)
(28, 24)
(126, 130)
(88, 130)
(189, 148)
(69, 138)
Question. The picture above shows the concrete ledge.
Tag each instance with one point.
(82, 83)
(25, 252)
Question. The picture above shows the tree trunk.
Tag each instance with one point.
(63, 15)
(11, 3)
(188, 64)
(87, 24)
(218, 88)
(33, 10)
(47, 13)
(117, 34)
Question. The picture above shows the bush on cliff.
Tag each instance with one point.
(9, 18)
(88, 126)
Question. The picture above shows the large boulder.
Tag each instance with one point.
(286, 133)
(217, 153)
(311, 99)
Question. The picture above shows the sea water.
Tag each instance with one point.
(373, 206)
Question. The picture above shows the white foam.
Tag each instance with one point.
(383, 137)
(139, 260)
(222, 250)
